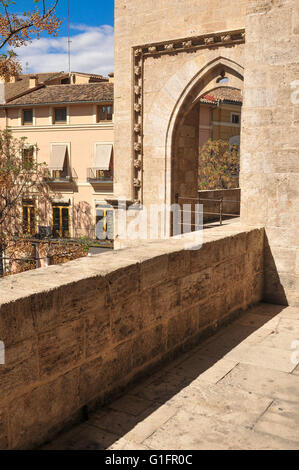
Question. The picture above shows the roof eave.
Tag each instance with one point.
(5, 105)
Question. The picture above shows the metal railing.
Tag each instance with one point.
(57, 176)
(99, 176)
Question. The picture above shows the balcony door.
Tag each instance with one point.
(61, 220)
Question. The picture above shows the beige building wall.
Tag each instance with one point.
(80, 134)
(223, 128)
(270, 140)
(205, 125)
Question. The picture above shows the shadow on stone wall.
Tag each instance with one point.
(274, 291)
(147, 394)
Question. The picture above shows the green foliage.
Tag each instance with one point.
(219, 165)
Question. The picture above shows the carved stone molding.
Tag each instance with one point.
(140, 53)
(137, 164)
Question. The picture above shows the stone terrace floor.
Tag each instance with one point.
(237, 390)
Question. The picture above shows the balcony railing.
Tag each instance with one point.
(57, 176)
(99, 176)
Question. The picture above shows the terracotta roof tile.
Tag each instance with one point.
(22, 84)
(222, 94)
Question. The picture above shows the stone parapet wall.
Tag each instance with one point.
(78, 333)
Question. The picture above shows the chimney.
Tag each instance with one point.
(33, 80)
(111, 77)
(2, 92)
(14, 79)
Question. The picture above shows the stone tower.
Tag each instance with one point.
(167, 54)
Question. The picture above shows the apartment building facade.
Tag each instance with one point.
(220, 115)
(68, 124)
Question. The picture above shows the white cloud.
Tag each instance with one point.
(91, 52)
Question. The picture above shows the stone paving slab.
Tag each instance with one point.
(191, 431)
(237, 390)
(281, 417)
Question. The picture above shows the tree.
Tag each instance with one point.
(20, 29)
(219, 165)
(21, 177)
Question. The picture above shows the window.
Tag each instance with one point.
(60, 162)
(104, 223)
(28, 157)
(60, 115)
(235, 118)
(28, 216)
(222, 80)
(27, 117)
(105, 112)
(61, 220)
(103, 162)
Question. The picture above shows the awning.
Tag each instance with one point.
(57, 158)
(102, 156)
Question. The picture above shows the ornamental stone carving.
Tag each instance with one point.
(226, 38)
(137, 107)
(187, 44)
(137, 164)
(137, 183)
(137, 147)
(169, 47)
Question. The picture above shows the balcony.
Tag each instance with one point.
(99, 176)
(61, 176)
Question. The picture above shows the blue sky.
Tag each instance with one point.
(91, 35)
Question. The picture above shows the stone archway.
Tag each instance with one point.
(175, 99)
(182, 148)
(164, 110)
(182, 138)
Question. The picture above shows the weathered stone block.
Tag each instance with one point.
(76, 300)
(3, 430)
(33, 415)
(98, 331)
(153, 271)
(91, 380)
(179, 264)
(148, 345)
(16, 322)
(104, 373)
(166, 299)
(20, 369)
(209, 254)
(61, 348)
(123, 282)
(181, 327)
(126, 319)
